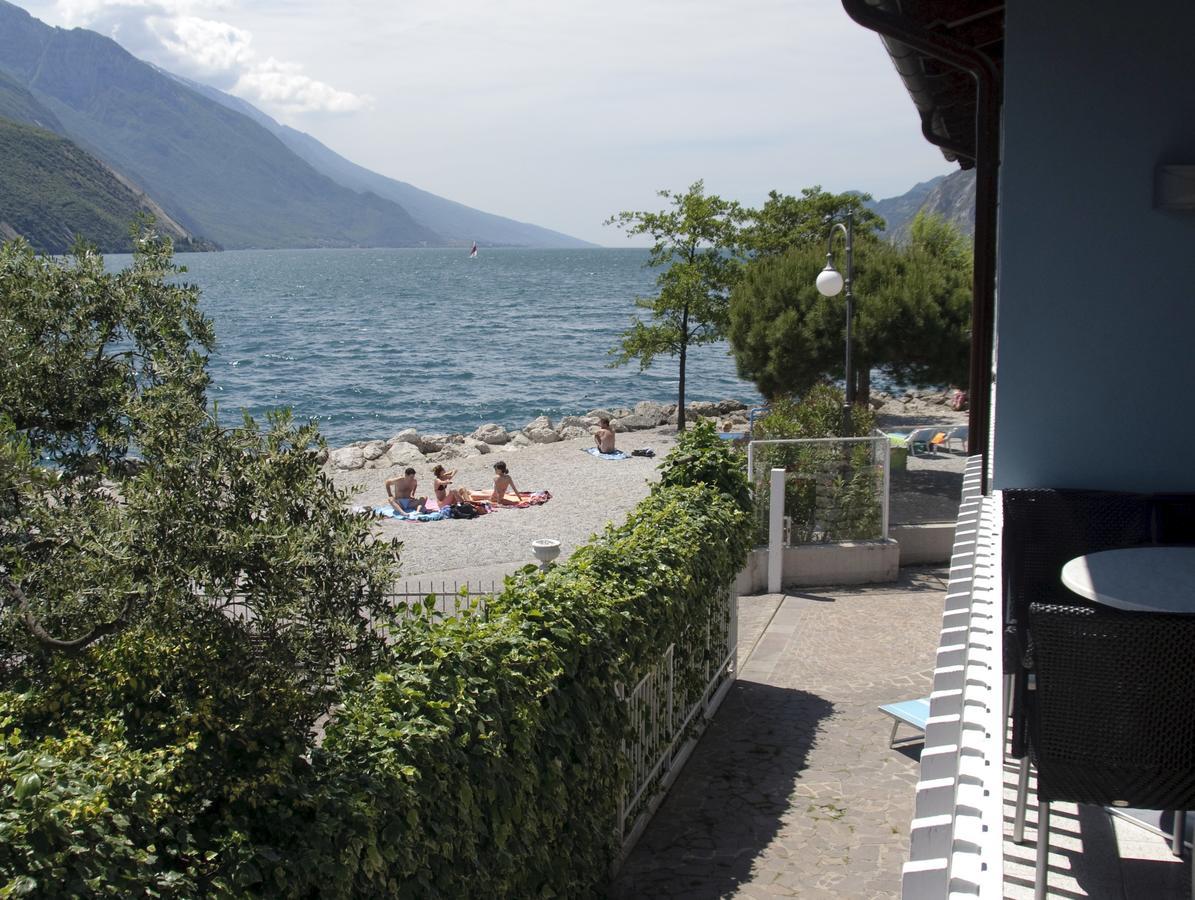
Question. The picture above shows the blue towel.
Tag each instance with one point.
(617, 454)
(391, 513)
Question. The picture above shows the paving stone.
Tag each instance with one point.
(793, 791)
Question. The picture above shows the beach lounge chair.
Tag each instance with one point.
(907, 712)
(919, 440)
(957, 435)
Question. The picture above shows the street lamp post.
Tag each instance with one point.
(829, 284)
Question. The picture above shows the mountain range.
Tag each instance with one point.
(951, 197)
(90, 136)
(217, 167)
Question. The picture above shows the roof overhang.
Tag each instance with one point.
(944, 94)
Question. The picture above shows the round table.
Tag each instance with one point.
(1138, 579)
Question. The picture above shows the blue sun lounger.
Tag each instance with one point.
(908, 712)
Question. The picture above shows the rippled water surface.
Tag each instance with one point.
(372, 341)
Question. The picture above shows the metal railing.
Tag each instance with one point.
(448, 598)
(665, 723)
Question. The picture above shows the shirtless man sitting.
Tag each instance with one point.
(400, 491)
(604, 436)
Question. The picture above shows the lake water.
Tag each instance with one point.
(369, 342)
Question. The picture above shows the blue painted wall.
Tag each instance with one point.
(1096, 288)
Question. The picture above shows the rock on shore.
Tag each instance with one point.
(410, 448)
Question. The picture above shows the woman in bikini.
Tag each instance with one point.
(440, 481)
(503, 484)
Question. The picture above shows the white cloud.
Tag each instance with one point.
(210, 46)
(285, 87)
(182, 36)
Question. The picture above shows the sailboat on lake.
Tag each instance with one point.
(473, 252)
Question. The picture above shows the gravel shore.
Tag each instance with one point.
(589, 493)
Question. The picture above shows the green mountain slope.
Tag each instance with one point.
(216, 171)
(51, 191)
(18, 105)
(456, 223)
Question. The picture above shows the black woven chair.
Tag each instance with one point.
(1111, 719)
(1043, 530)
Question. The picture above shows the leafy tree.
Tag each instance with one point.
(784, 221)
(912, 314)
(697, 239)
(786, 337)
(931, 329)
(124, 504)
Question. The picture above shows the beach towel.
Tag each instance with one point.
(391, 513)
(617, 454)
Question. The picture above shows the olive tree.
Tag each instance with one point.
(123, 502)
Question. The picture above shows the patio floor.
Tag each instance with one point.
(793, 791)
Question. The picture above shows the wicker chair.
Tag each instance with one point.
(1043, 530)
(1111, 719)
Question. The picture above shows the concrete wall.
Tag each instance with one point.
(1096, 306)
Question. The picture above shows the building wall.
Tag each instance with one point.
(1096, 287)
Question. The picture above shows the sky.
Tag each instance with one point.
(558, 113)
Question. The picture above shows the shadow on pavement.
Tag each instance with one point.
(728, 803)
(925, 495)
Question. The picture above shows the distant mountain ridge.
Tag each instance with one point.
(952, 197)
(458, 224)
(213, 165)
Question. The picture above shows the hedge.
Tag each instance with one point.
(481, 758)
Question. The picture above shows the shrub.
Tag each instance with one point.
(485, 757)
(831, 490)
(482, 756)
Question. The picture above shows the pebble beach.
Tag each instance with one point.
(588, 493)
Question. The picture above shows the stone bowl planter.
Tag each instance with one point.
(545, 550)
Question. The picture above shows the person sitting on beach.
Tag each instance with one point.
(440, 484)
(604, 436)
(503, 484)
(400, 491)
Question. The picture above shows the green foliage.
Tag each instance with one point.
(912, 314)
(696, 240)
(702, 457)
(785, 222)
(831, 491)
(124, 770)
(481, 755)
(786, 336)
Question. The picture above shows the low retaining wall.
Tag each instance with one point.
(851, 562)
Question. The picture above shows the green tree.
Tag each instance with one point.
(697, 240)
(912, 314)
(930, 329)
(786, 337)
(124, 504)
(785, 222)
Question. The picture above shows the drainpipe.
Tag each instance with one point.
(987, 162)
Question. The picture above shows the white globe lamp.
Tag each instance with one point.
(829, 281)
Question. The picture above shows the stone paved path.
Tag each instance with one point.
(793, 790)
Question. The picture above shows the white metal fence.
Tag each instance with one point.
(447, 597)
(668, 710)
